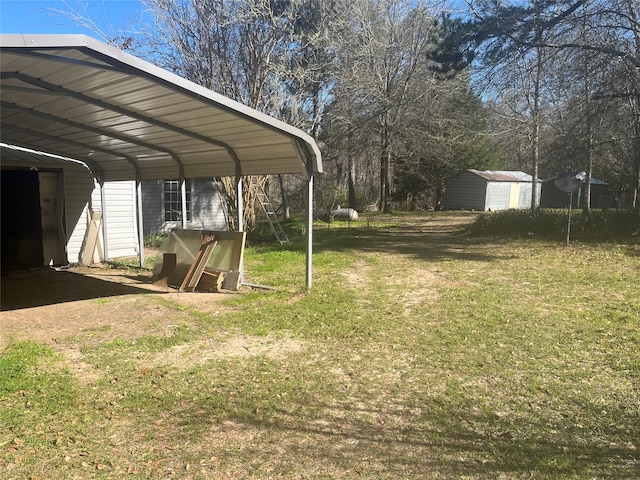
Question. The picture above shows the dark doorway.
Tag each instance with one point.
(20, 220)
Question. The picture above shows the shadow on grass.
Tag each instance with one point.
(448, 443)
(422, 236)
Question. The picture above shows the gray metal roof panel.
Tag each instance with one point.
(502, 175)
(91, 93)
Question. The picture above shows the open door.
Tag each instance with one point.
(21, 226)
(31, 219)
(52, 218)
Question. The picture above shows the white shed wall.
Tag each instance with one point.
(79, 184)
(498, 195)
(120, 217)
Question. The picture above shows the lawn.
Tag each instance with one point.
(421, 352)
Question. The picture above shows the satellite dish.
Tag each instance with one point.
(570, 182)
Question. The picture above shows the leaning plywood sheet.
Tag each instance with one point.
(185, 244)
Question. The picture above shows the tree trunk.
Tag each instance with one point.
(385, 183)
(535, 138)
(586, 207)
(351, 181)
(286, 214)
(249, 217)
(439, 194)
(636, 152)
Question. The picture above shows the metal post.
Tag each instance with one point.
(103, 207)
(309, 222)
(140, 221)
(240, 209)
(183, 198)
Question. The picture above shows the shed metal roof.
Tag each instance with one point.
(502, 175)
(73, 96)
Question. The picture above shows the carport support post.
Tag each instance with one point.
(140, 221)
(103, 207)
(183, 198)
(309, 222)
(240, 209)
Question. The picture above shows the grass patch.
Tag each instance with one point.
(155, 239)
(420, 352)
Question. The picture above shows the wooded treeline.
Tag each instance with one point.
(401, 94)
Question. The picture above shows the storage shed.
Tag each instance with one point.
(128, 122)
(553, 197)
(47, 204)
(484, 190)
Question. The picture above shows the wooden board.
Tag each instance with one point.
(92, 238)
(168, 267)
(194, 274)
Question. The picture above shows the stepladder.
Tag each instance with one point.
(267, 208)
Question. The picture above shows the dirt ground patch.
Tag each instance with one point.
(49, 305)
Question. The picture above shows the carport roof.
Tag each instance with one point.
(73, 96)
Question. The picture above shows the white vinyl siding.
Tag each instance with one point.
(78, 185)
(119, 217)
(206, 206)
(498, 196)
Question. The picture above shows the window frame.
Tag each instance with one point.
(172, 207)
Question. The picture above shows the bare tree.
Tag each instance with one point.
(581, 31)
(381, 54)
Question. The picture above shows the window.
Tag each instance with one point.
(173, 202)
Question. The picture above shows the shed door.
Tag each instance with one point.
(514, 196)
(52, 218)
(32, 219)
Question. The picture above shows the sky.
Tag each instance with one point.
(40, 16)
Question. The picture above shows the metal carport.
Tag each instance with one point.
(126, 119)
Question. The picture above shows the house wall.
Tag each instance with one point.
(152, 206)
(465, 191)
(206, 207)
